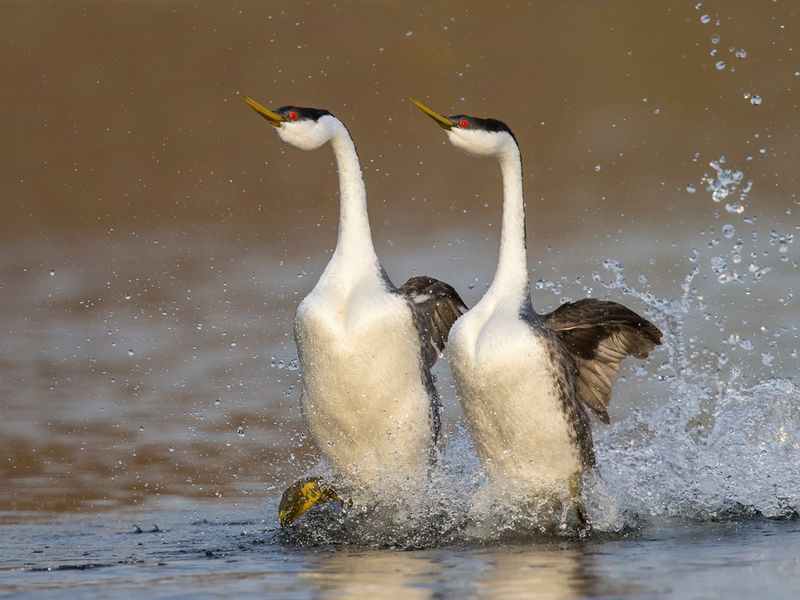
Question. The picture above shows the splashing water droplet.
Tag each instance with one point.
(728, 231)
(755, 100)
(52, 273)
(598, 168)
(741, 53)
(720, 65)
(240, 431)
(718, 264)
(715, 38)
(705, 19)
(130, 352)
(726, 182)
(691, 189)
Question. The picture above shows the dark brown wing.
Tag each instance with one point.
(436, 306)
(598, 335)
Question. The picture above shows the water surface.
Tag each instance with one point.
(157, 238)
(191, 557)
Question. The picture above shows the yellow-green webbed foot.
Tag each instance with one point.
(302, 496)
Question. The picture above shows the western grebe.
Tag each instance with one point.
(365, 346)
(525, 379)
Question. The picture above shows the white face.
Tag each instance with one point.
(479, 142)
(308, 134)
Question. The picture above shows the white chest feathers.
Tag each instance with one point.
(506, 381)
(363, 394)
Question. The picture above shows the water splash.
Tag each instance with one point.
(706, 457)
(726, 182)
(456, 505)
(729, 184)
(718, 447)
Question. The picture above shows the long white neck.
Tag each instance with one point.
(511, 278)
(354, 251)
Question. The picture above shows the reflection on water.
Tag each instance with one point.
(548, 572)
(373, 574)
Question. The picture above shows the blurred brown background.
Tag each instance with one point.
(156, 236)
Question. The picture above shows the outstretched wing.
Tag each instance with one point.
(435, 306)
(599, 334)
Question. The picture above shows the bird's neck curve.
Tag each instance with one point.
(354, 253)
(510, 282)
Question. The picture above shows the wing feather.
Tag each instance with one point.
(599, 334)
(435, 306)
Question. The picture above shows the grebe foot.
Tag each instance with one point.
(303, 495)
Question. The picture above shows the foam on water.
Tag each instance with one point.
(456, 505)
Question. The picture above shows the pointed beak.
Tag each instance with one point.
(441, 120)
(274, 118)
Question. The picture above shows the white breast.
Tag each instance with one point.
(504, 378)
(363, 395)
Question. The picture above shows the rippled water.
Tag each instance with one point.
(156, 240)
(224, 554)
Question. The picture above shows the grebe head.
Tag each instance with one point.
(474, 135)
(305, 128)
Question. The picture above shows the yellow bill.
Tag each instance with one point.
(441, 120)
(274, 118)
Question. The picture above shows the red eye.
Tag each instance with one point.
(293, 116)
(463, 123)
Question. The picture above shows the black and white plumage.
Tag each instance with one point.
(365, 346)
(525, 380)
